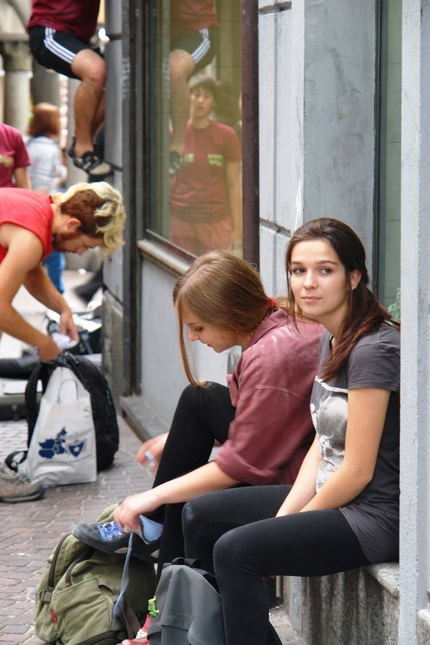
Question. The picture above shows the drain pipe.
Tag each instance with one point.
(250, 133)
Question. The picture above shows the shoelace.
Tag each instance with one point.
(124, 580)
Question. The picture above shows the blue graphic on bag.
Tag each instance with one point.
(52, 447)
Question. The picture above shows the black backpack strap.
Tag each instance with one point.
(102, 405)
(128, 619)
(42, 372)
(84, 370)
(15, 458)
(195, 564)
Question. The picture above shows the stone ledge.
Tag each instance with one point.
(354, 607)
(141, 418)
(423, 626)
(387, 574)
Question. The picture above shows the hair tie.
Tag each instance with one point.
(272, 301)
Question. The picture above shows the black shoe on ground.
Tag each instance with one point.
(90, 163)
(176, 161)
(109, 538)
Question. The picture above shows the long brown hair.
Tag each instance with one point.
(365, 313)
(224, 291)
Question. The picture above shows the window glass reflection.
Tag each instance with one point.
(205, 198)
(199, 202)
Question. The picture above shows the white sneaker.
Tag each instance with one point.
(17, 488)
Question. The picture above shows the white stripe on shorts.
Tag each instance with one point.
(203, 48)
(57, 49)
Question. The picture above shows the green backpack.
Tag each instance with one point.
(76, 596)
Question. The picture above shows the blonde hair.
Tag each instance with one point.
(224, 291)
(99, 208)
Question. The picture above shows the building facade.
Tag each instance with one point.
(335, 102)
(342, 103)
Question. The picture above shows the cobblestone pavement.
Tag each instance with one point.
(29, 531)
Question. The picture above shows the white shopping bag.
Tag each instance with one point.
(63, 445)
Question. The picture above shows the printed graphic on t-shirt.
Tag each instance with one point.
(329, 410)
(6, 161)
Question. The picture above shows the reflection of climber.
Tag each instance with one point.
(60, 36)
(193, 44)
(205, 203)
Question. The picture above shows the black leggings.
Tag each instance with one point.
(203, 415)
(235, 534)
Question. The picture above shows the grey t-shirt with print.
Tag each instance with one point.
(374, 363)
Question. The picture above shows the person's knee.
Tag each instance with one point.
(189, 396)
(191, 519)
(181, 66)
(199, 397)
(96, 74)
(227, 551)
(90, 68)
(197, 519)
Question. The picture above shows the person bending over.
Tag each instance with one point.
(31, 225)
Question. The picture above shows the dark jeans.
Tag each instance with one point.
(203, 415)
(235, 534)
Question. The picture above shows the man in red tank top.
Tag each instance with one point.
(31, 225)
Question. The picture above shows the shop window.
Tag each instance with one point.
(196, 139)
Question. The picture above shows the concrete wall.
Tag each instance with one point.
(415, 293)
(163, 377)
(355, 607)
(112, 270)
(339, 121)
(317, 80)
